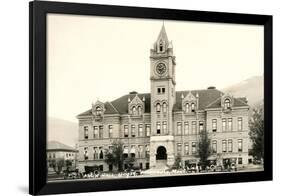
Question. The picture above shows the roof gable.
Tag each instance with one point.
(208, 98)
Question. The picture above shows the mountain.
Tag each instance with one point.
(62, 131)
(252, 88)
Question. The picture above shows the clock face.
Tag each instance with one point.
(161, 68)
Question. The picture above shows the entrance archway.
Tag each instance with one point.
(161, 153)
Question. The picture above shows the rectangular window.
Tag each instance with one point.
(125, 151)
(100, 153)
(186, 149)
(230, 146)
(193, 127)
(164, 127)
(240, 124)
(110, 131)
(201, 126)
(95, 152)
(214, 125)
(240, 161)
(96, 131)
(140, 151)
(214, 146)
(101, 131)
(179, 148)
(126, 131)
(147, 130)
(158, 128)
(223, 124)
(147, 151)
(186, 128)
(223, 145)
(230, 124)
(133, 131)
(140, 131)
(179, 128)
(86, 156)
(133, 151)
(86, 132)
(240, 145)
(193, 148)
(159, 90)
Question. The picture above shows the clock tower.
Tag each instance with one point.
(163, 97)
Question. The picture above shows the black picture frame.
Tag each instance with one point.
(37, 101)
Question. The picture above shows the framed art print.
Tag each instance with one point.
(130, 97)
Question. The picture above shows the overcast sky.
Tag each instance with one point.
(90, 58)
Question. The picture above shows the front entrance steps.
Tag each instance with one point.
(161, 164)
(160, 168)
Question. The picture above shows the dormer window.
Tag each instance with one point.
(134, 110)
(164, 107)
(158, 107)
(226, 104)
(98, 111)
(139, 110)
(187, 107)
(192, 107)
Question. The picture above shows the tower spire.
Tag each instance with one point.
(163, 35)
(162, 42)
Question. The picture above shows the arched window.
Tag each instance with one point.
(226, 104)
(139, 110)
(187, 107)
(164, 107)
(98, 110)
(192, 107)
(158, 107)
(134, 110)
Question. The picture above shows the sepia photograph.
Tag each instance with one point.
(139, 98)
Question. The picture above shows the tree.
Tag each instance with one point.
(204, 148)
(57, 165)
(115, 156)
(256, 133)
(130, 161)
(178, 163)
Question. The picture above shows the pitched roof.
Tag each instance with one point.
(57, 146)
(121, 104)
(163, 35)
(109, 109)
(208, 98)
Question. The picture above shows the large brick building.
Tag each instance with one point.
(59, 151)
(155, 127)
